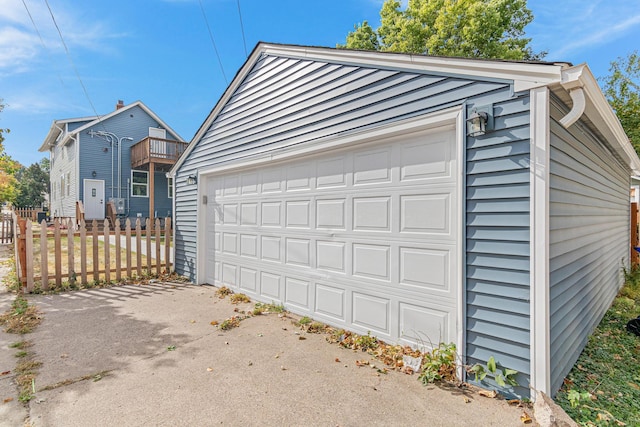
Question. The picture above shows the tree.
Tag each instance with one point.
(33, 184)
(622, 89)
(465, 28)
(8, 168)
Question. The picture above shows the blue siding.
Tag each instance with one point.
(133, 123)
(498, 290)
(589, 226)
(283, 102)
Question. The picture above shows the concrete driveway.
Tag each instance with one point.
(148, 356)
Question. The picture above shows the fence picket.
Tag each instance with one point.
(70, 252)
(118, 254)
(58, 251)
(83, 252)
(29, 249)
(147, 233)
(127, 228)
(167, 244)
(156, 228)
(94, 242)
(138, 248)
(44, 256)
(107, 252)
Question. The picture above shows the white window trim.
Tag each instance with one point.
(139, 184)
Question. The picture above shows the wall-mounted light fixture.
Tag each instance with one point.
(480, 121)
(94, 174)
(192, 180)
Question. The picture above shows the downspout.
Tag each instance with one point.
(572, 82)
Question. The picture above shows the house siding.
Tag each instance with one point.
(588, 238)
(497, 244)
(283, 102)
(63, 200)
(133, 123)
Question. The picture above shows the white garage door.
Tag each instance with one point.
(362, 238)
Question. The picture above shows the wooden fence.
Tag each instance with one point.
(28, 213)
(89, 252)
(6, 228)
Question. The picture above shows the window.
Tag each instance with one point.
(62, 186)
(170, 187)
(139, 184)
(68, 184)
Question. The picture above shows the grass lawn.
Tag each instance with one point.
(603, 388)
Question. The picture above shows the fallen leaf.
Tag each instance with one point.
(337, 360)
(283, 368)
(514, 402)
(5, 373)
(362, 362)
(277, 356)
(250, 363)
(634, 385)
(7, 400)
(171, 348)
(209, 369)
(301, 338)
(214, 323)
(488, 393)
(260, 335)
(192, 321)
(466, 399)
(525, 418)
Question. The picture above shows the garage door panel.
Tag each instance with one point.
(297, 292)
(330, 301)
(270, 286)
(371, 312)
(424, 327)
(361, 239)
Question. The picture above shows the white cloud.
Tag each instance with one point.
(569, 27)
(20, 44)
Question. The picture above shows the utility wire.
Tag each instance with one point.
(213, 43)
(42, 42)
(73, 65)
(244, 41)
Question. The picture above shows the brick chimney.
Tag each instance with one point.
(120, 104)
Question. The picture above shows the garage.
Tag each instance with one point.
(362, 237)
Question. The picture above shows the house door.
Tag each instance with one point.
(93, 199)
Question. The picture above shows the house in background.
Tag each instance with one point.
(424, 199)
(122, 157)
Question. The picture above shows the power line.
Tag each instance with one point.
(213, 43)
(244, 41)
(86, 93)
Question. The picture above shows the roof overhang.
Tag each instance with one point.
(524, 75)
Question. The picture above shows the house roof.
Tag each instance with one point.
(560, 77)
(57, 125)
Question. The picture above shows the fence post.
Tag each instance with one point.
(127, 230)
(148, 236)
(167, 244)
(71, 268)
(58, 251)
(118, 254)
(138, 248)
(157, 230)
(107, 251)
(96, 262)
(83, 252)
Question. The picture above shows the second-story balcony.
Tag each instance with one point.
(164, 153)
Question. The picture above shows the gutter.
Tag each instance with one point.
(589, 100)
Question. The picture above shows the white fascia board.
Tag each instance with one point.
(540, 351)
(600, 112)
(524, 75)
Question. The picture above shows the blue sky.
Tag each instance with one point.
(160, 51)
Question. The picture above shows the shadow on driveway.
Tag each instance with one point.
(170, 367)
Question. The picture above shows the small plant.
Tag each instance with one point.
(223, 292)
(576, 397)
(239, 298)
(230, 323)
(304, 321)
(316, 328)
(21, 318)
(21, 353)
(21, 345)
(366, 342)
(439, 364)
(502, 377)
(269, 308)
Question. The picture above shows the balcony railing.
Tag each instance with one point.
(156, 150)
